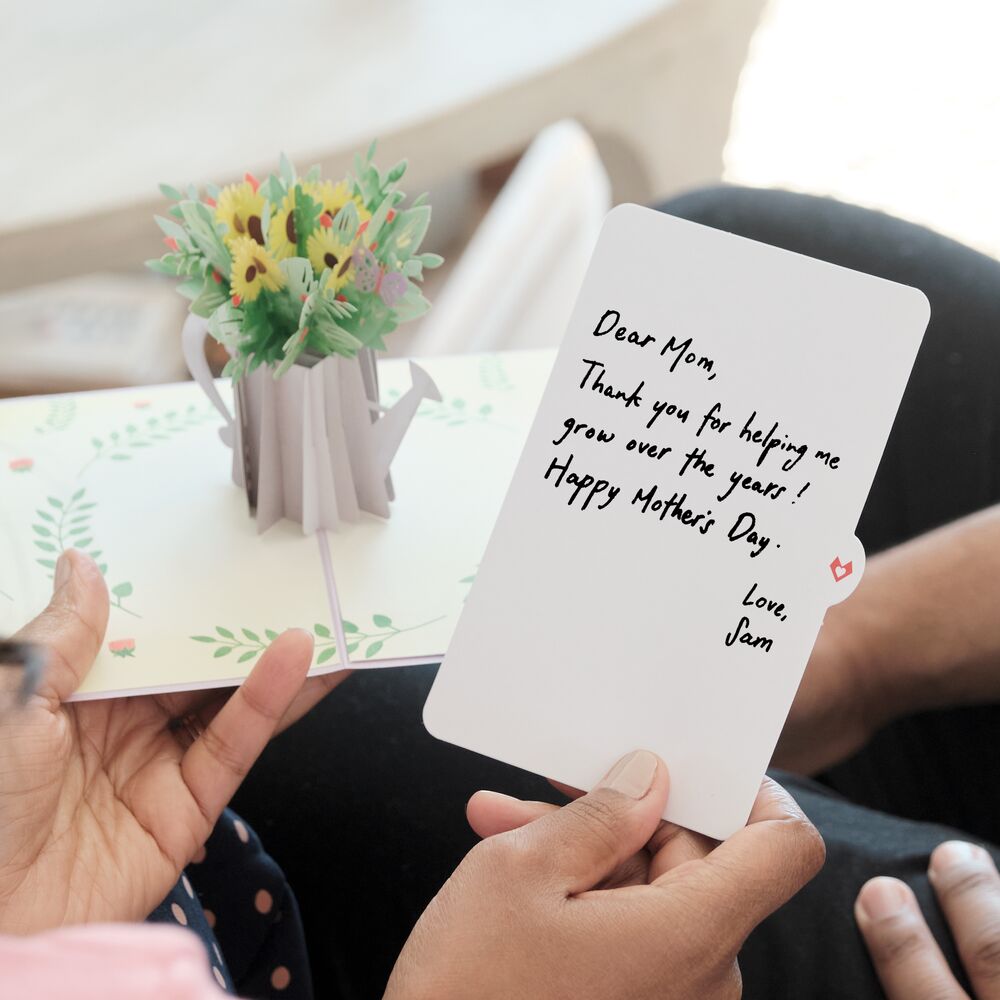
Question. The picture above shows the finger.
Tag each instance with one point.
(568, 790)
(583, 842)
(967, 884)
(906, 957)
(219, 759)
(756, 870)
(490, 813)
(672, 846)
(71, 627)
(313, 691)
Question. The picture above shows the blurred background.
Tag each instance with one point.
(525, 121)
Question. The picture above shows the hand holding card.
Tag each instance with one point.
(682, 514)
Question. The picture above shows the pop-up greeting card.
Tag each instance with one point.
(682, 515)
(301, 279)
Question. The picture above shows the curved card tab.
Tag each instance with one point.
(663, 561)
(844, 571)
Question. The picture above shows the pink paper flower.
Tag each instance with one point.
(21, 464)
(122, 647)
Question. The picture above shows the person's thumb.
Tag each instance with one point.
(584, 842)
(71, 627)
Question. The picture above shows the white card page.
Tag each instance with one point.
(682, 515)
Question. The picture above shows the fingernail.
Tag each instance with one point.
(883, 897)
(632, 775)
(64, 570)
(953, 853)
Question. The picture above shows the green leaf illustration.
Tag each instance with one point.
(122, 589)
(222, 651)
(373, 649)
(224, 632)
(271, 634)
(326, 654)
(252, 636)
(350, 626)
(382, 621)
(248, 655)
(204, 638)
(322, 630)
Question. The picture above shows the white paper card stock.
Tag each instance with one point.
(682, 515)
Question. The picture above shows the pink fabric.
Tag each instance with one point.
(107, 962)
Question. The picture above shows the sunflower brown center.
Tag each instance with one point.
(290, 229)
(251, 273)
(330, 259)
(253, 224)
(238, 224)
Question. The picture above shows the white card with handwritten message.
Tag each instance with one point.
(682, 515)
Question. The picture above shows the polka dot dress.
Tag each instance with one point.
(235, 898)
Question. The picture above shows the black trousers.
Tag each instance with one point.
(365, 811)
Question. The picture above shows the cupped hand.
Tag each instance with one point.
(103, 803)
(599, 899)
(907, 959)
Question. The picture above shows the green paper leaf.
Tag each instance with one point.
(46, 546)
(373, 649)
(382, 621)
(350, 626)
(82, 543)
(47, 563)
(224, 632)
(271, 634)
(252, 636)
(286, 168)
(222, 651)
(170, 228)
(204, 638)
(352, 647)
(40, 530)
(322, 631)
(212, 295)
(201, 227)
(79, 493)
(326, 654)
(122, 589)
(55, 503)
(248, 655)
(45, 516)
(170, 192)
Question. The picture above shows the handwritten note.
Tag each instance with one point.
(682, 515)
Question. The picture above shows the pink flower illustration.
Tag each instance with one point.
(141, 404)
(122, 647)
(21, 464)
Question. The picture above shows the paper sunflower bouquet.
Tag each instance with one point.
(301, 279)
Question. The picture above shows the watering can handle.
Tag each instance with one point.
(193, 347)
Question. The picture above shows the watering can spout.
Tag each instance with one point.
(387, 431)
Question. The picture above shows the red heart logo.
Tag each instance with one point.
(841, 570)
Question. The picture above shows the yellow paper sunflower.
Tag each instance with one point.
(241, 208)
(254, 269)
(282, 240)
(327, 251)
(333, 197)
